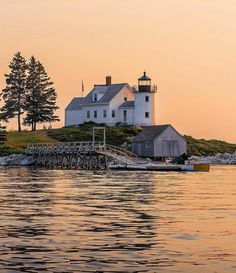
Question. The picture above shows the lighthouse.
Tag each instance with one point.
(145, 102)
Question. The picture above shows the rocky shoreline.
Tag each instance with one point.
(225, 159)
(26, 160)
(16, 160)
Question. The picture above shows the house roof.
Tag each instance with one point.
(110, 91)
(127, 104)
(75, 104)
(149, 133)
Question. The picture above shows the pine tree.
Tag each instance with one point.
(14, 93)
(41, 96)
(33, 91)
(3, 134)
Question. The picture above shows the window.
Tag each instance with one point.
(113, 113)
(147, 144)
(125, 98)
(95, 97)
(146, 114)
(88, 114)
(146, 98)
(125, 115)
(95, 114)
(104, 113)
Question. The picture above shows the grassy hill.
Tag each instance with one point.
(202, 147)
(114, 135)
(17, 142)
(122, 135)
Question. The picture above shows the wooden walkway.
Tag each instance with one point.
(82, 155)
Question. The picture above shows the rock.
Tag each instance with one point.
(17, 160)
(225, 158)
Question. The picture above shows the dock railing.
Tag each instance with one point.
(63, 147)
(98, 147)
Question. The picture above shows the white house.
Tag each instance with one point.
(115, 103)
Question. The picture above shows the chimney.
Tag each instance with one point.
(108, 80)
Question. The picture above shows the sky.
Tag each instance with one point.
(187, 47)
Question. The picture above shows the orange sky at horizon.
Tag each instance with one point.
(187, 47)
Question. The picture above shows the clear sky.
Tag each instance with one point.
(187, 47)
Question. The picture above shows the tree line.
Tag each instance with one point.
(29, 94)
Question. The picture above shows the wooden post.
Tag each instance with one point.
(104, 137)
(104, 134)
(93, 136)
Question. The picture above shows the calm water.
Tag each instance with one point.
(73, 221)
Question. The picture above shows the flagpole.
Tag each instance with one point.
(82, 88)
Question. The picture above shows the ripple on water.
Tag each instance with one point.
(187, 237)
(73, 221)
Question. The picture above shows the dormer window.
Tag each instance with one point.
(95, 97)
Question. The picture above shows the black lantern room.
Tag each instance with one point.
(144, 83)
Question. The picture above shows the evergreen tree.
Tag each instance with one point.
(14, 93)
(41, 96)
(3, 134)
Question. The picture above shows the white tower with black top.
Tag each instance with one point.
(145, 102)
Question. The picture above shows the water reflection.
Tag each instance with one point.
(25, 206)
(73, 221)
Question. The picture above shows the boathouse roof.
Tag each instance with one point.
(149, 133)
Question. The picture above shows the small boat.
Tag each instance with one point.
(196, 167)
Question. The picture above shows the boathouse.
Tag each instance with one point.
(159, 142)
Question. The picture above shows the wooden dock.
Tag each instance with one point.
(78, 155)
(161, 167)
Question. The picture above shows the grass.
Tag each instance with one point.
(202, 147)
(114, 135)
(17, 142)
(119, 136)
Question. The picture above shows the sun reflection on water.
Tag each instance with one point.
(73, 221)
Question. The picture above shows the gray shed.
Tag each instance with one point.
(158, 142)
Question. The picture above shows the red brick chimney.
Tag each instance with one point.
(108, 80)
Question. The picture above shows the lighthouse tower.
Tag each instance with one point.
(145, 102)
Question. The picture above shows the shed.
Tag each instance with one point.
(158, 142)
